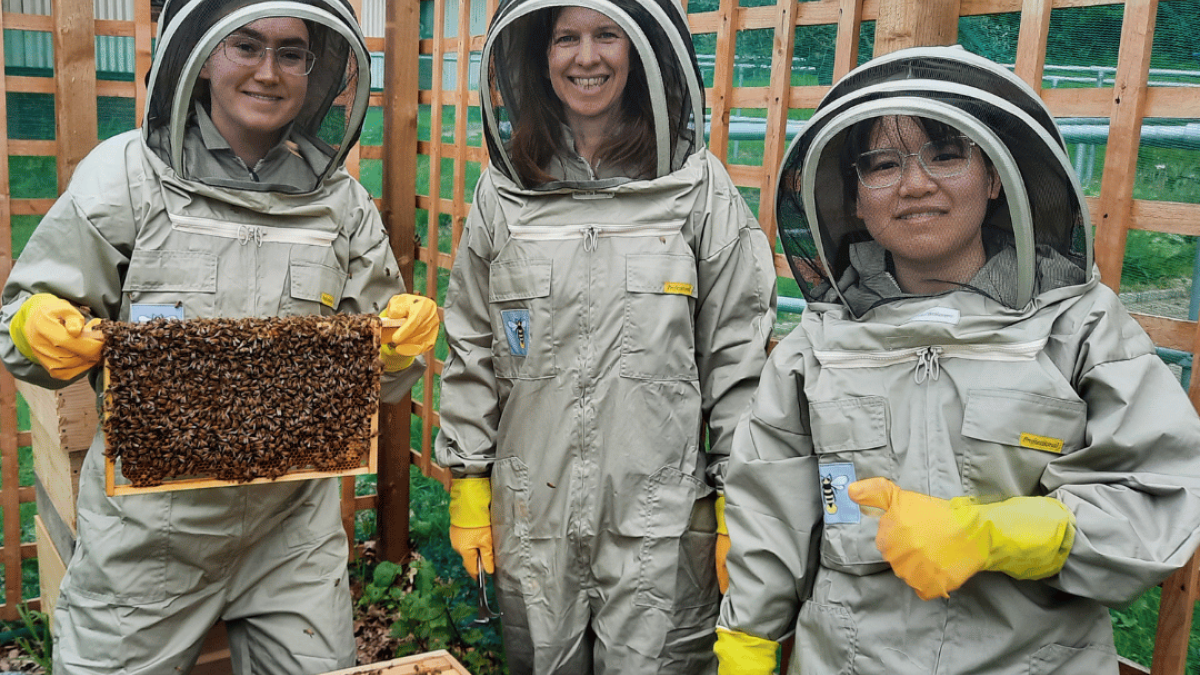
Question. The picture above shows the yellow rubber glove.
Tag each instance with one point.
(935, 545)
(417, 335)
(471, 523)
(739, 653)
(49, 331)
(722, 545)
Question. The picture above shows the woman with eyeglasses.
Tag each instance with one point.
(231, 201)
(968, 449)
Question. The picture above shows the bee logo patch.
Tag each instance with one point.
(141, 313)
(836, 504)
(517, 330)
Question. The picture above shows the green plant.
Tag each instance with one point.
(429, 614)
(38, 644)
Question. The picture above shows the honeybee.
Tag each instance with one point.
(829, 484)
(519, 326)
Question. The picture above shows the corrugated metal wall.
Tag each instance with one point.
(114, 55)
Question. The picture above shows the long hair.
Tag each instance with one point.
(536, 136)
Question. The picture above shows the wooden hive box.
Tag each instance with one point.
(439, 662)
(62, 424)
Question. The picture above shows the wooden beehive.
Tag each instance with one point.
(439, 662)
(210, 402)
(62, 425)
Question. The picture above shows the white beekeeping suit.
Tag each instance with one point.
(599, 314)
(171, 220)
(1014, 398)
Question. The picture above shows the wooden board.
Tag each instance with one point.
(439, 662)
(51, 569)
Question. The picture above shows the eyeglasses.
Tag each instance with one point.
(246, 51)
(944, 158)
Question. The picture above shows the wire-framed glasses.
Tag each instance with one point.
(943, 158)
(247, 51)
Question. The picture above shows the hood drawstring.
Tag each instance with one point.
(928, 365)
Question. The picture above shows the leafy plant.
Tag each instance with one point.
(429, 614)
(38, 644)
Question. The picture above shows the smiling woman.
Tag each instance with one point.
(923, 199)
(617, 295)
(589, 66)
(252, 97)
(230, 204)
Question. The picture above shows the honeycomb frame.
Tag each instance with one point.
(213, 402)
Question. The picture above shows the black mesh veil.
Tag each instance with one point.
(512, 70)
(967, 117)
(338, 86)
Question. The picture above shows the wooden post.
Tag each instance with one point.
(399, 216)
(76, 129)
(10, 499)
(722, 89)
(778, 94)
(1125, 134)
(907, 23)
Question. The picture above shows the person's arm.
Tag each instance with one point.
(374, 277)
(773, 504)
(1134, 488)
(471, 399)
(80, 248)
(735, 312)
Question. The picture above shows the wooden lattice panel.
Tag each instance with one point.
(206, 402)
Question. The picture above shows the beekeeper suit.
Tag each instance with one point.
(957, 482)
(167, 221)
(596, 321)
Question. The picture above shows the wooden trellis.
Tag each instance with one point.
(415, 206)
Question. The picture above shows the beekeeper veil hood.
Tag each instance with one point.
(955, 115)
(664, 93)
(338, 85)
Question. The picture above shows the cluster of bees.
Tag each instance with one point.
(240, 399)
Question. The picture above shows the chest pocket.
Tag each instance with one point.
(522, 314)
(315, 288)
(658, 341)
(852, 435)
(184, 278)
(1012, 435)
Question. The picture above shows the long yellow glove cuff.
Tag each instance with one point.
(471, 523)
(739, 653)
(722, 545)
(471, 502)
(936, 545)
(48, 331)
(1027, 537)
(416, 335)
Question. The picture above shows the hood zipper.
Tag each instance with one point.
(590, 233)
(245, 233)
(928, 359)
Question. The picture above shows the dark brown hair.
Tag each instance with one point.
(537, 138)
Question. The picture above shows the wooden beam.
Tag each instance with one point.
(74, 84)
(1125, 131)
(403, 20)
(905, 23)
(1031, 41)
(775, 143)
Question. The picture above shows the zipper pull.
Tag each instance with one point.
(929, 365)
(589, 237)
